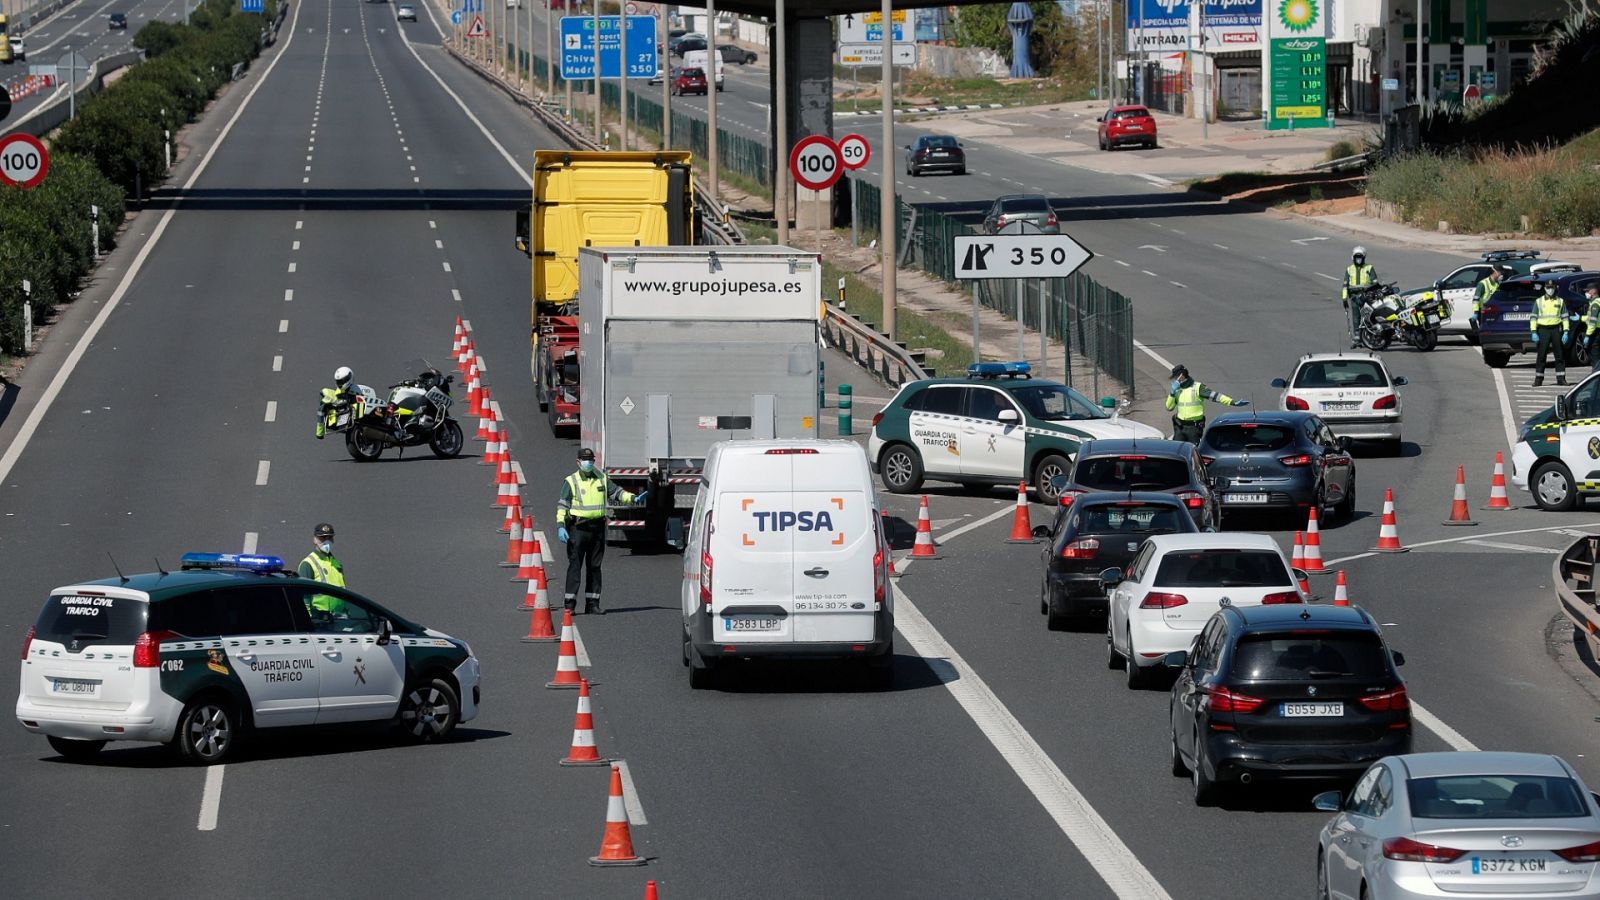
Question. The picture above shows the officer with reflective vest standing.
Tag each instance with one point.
(1591, 321)
(1187, 400)
(1357, 275)
(1485, 292)
(581, 525)
(321, 565)
(1549, 327)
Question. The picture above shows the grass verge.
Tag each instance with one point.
(920, 89)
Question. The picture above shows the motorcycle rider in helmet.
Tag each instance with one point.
(343, 392)
(1187, 400)
(1359, 276)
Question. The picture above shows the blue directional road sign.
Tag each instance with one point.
(577, 47)
(455, 17)
(472, 6)
(254, 6)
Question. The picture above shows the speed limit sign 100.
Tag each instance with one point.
(23, 160)
(853, 151)
(815, 162)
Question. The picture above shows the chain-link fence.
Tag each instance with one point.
(1088, 318)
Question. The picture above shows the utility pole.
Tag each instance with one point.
(1419, 53)
(714, 60)
(888, 210)
(780, 68)
(549, 53)
(596, 70)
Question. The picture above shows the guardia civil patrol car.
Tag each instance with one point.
(1557, 457)
(998, 425)
(231, 642)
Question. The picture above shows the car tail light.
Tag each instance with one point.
(1158, 600)
(1585, 853)
(999, 222)
(1491, 310)
(1404, 848)
(147, 648)
(1220, 699)
(1388, 701)
(27, 641)
(879, 587)
(1282, 597)
(1083, 548)
(1050, 219)
(1208, 460)
(876, 418)
(1128, 458)
(1192, 499)
(1296, 403)
(1298, 459)
(705, 565)
(1068, 496)
(1387, 401)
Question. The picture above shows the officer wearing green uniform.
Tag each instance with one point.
(581, 525)
(1186, 398)
(1485, 292)
(343, 391)
(1591, 321)
(1549, 328)
(321, 565)
(1357, 275)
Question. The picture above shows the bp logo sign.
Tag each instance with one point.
(1298, 15)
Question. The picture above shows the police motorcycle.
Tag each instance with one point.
(1386, 318)
(416, 412)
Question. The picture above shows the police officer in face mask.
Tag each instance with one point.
(321, 565)
(581, 525)
(1550, 332)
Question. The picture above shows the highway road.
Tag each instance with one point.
(80, 27)
(351, 197)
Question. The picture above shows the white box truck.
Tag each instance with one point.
(682, 347)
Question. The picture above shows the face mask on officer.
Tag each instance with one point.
(1549, 290)
(586, 466)
(325, 546)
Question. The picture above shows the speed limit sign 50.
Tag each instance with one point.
(853, 151)
(23, 160)
(815, 162)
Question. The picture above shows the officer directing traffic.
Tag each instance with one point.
(1359, 275)
(1549, 327)
(1187, 400)
(581, 525)
(1485, 292)
(321, 565)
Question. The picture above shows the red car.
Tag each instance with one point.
(1127, 125)
(689, 81)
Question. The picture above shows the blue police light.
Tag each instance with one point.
(999, 370)
(248, 561)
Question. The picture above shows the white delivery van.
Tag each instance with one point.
(786, 557)
(701, 59)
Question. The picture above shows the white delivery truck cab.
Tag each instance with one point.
(786, 557)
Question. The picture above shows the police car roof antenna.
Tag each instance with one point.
(158, 568)
(117, 567)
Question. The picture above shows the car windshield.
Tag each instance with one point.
(1496, 797)
(1138, 112)
(1341, 373)
(1222, 567)
(693, 73)
(938, 141)
(1248, 436)
(1310, 654)
(1131, 473)
(88, 619)
(1131, 518)
(1057, 404)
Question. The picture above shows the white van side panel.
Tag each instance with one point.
(752, 565)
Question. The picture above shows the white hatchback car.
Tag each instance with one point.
(1173, 585)
(1350, 390)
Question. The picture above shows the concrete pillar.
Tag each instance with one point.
(810, 107)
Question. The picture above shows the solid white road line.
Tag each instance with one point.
(1507, 545)
(1465, 538)
(263, 468)
(630, 795)
(1007, 508)
(1433, 723)
(578, 648)
(1077, 819)
(272, 410)
(1153, 355)
(1507, 418)
(504, 153)
(37, 414)
(211, 799)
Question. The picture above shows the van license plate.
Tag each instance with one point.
(76, 686)
(749, 624)
(1310, 710)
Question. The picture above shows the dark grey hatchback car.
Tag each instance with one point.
(1279, 461)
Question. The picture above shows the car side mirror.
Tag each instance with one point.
(1279, 383)
(1344, 441)
(1399, 658)
(1561, 407)
(1111, 577)
(524, 218)
(1595, 797)
(1301, 575)
(1401, 381)
(1328, 801)
(385, 632)
(1010, 416)
(1177, 659)
(1041, 531)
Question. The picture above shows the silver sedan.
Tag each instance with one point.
(1479, 824)
(1351, 390)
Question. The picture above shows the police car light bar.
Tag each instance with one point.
(246, 561)
(1498, 255)
(999, 370)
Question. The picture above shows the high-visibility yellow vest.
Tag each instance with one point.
(1191, 405)
(588, 497)
(1358, 276)
(327, 571)
(1549, 311)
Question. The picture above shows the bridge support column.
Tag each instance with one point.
(810, 108)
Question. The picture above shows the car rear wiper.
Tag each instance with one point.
(87, 635)
(1325, 673)
(1258, 446)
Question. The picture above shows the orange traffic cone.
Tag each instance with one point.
(1498, 499)
(1341, 592)
(537, 584)
(540, 629)
(513, 516)
(466, 355)
(583, 752)
(513, 497)
(1458, 506)
(474, 389)
(514, 546)
(1389, 530)
(616, 848)
(503, 473)
(567, 662)
(924, 546)
(1021, 527)
(650, 891)
(459, 340)
(1313, 551)
(1298, 561)
(492, 445)
(530, 549)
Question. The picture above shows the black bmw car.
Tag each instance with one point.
(1100, 531)
(1279, 461)
(1172, 467)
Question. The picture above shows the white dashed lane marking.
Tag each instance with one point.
(283, 326)
(272, 413)
(263, 469)
(277, 364)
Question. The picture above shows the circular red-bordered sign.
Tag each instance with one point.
(23, 160)
(815, 162)
(854, 151)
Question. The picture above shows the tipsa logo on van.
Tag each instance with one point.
(799, 520)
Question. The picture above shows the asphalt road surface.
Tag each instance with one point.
(350, 198)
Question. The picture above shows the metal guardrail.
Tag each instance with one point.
(1575, 574)
(870, 349)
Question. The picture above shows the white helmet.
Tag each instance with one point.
(1359, 253)
(342, 377)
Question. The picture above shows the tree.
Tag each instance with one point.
(985, 26)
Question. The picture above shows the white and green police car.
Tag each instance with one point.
(998, 425)
(1557, 456)
(232, 642)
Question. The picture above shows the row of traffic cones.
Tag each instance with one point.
(1498, 498)
(525, 553)
(1021, 527)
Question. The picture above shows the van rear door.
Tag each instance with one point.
(834, 545)
(752, 551)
